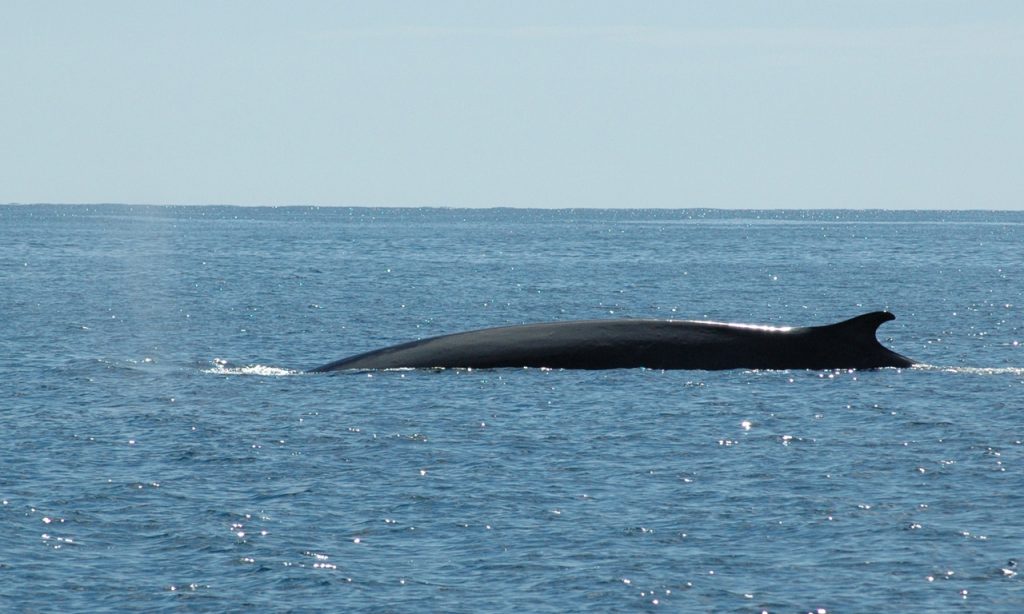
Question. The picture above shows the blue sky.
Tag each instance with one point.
(894, 104)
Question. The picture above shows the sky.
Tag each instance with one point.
(893, 104)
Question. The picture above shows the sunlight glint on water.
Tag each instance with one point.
(164, 448)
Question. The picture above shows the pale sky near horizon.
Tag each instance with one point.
(813, 104)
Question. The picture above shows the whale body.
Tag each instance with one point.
(654, 344)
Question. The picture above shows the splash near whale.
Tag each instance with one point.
(652, 344)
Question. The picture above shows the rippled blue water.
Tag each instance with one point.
(162, 450)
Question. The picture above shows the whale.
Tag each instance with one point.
(642, 343)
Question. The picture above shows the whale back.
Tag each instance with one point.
(655, 344)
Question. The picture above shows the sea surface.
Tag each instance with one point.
(162, 449)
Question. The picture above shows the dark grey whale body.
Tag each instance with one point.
(655, 344)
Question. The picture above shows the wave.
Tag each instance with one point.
(1019, 371)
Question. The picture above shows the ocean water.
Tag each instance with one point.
(163, 450)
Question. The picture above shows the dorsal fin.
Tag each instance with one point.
(857, 336)
(862, 326)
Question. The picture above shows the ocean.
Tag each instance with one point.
(163, 449)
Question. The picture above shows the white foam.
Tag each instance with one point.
(220, 367)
